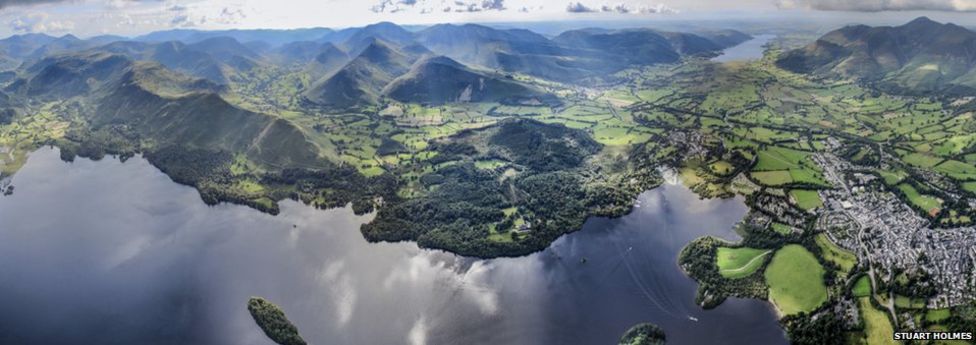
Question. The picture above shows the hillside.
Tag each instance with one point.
(481, 45)
(440, 80)
(549, 159)
(387, 32)
(228, 51)
(66, 76)
(197, 118)
(573, 54)
(329, 59)
(639, 46)
(918, 57)
(362, 80)
(215, 59)
(725, 38)
(162, 106)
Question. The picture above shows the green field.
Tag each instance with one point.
(969, 186)
(862, 287)
(957, 170)
(779, 158)
(734, 263)
(892, 178)
(773, 178)
(839, 256)
(808, 175)
(925, 202)
(806, 199)
(721, 167)
(876, 324)
(921, 160)
(937, 315)
(782, 228)
(903, 302)
(795, 280)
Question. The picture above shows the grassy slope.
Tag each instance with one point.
(840, 256)
(862, 287)
(876, 324)
(807, 199)
(795, 280)
(739, 262)
(204, 120)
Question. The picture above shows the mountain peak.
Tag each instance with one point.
(922, 23)
(922, 20)
(376, 50)
(440, 79)
(385, 25)
(387, 30)
(69, 37)
(218, 40)
(440, 60)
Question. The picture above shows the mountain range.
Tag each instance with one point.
(170, 88)
(356, 66)
(333, 117)
(162, 106)
(919, 57)
(182, 76)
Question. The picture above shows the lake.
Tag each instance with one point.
(749, 50)
(105, 252)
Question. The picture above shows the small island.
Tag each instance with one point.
(644, 334)
(273, 322)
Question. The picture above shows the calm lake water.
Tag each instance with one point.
(115, 253)
(748, 50)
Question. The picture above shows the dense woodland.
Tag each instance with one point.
(546, 188)
(644, 334)
(273, 322)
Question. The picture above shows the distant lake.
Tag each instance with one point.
(749, 50)
(105, 252)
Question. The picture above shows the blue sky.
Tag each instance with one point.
(128, 17)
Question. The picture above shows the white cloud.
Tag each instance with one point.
(230, 15)
(429, 6)
(659, 8)
(619, 8)
(132, 17)
(880, 5)
(579, 7)
(343, 291)
(40, 22)
(181, 20)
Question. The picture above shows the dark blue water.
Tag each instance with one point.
(115, 253)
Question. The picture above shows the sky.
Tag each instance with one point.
(131, 17)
